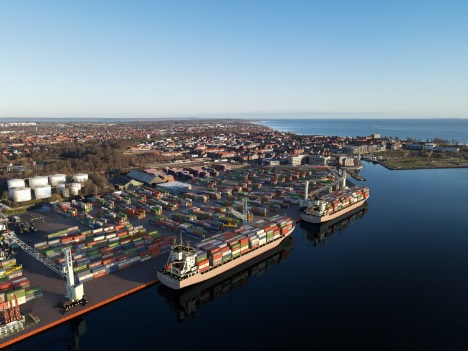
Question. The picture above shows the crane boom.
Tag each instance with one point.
(245, 210)
(75, 292)
(37, 255)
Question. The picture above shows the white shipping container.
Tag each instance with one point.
(84, 273)
(85, 278)
(123, 262)
(40, 246)
(21, 300)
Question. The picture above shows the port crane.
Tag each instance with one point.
(75, 292)
(244, 216)
(13, 320)
(341, 179)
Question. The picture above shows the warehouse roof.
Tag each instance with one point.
(145, 177)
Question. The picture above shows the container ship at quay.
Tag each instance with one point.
(333, 205)
(208, 258)
(186, 302)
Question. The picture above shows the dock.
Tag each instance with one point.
(101, 291)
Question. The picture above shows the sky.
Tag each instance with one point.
(234, 58)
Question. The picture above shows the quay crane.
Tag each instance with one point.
(308, 195)
(75, 292)
(14, 322)
(244, 216)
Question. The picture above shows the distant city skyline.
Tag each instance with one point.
(234, 59)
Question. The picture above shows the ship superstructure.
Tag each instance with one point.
(182, 260)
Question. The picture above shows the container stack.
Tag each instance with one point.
(105, 250)
(228, 245)
(14, 285)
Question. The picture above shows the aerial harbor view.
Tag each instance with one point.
(274, 174)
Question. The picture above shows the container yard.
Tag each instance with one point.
(119, 240)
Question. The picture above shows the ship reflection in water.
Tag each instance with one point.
(316, 233)
(185, 302)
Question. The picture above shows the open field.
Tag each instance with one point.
(405, 159)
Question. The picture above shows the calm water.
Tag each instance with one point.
(420, 129)
(396, 277)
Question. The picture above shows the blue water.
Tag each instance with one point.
(419, 129)
(395, 278)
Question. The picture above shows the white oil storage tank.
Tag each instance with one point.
(80, 177)
(76, 185)
(55, 179)
(60, 187)
(16, 183)
(65, 192)
(38, 181)
(42, 191)
(74, 188)
(21, 194)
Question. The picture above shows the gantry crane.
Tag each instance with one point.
(13, 320)
(75, 292)
(341, 179)
(245, 210)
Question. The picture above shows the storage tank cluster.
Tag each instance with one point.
(41, 186)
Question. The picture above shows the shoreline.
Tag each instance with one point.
(83, 310)
(415, 168)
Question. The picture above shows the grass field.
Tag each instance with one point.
(405, 159)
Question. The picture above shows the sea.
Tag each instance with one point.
(452, 130)
(392, 276)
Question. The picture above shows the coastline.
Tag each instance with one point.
(383, 164)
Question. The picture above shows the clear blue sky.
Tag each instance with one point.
(225, 58)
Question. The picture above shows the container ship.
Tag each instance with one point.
(317, 233)
(186, 301)
(334, 205)
(188, 265)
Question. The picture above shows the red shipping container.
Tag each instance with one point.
(154, 246)
(201, 263)
(201, 270)
(6, 286)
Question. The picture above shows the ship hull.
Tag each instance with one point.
(185, 295)
(176, 284)
(322, 219)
